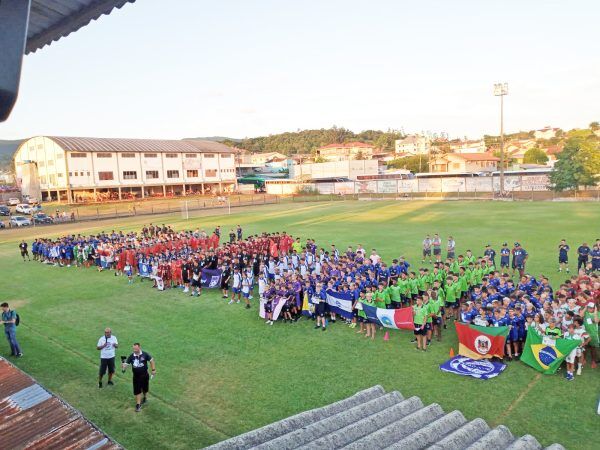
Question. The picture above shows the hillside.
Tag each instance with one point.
(8, 147)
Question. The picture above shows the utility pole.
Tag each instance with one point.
(500, 90)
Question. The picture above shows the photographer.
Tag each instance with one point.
(138, 361)
(107, 345)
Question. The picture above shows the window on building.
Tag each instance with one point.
(43, 179)
(78, 155)
(228, 155)
(71, 174)
(151, 174)
(171, 155)
(190, 155)
(40, 146)
(105, 176)
(150, 155)
(456, 165)
(127, 155)
(172, 173)
(103, 155)
(209, 155)
(129, 175)
(210, 172)
(192, 173)
(50, 163)
(60, 175)
(41, 163)
(59, 156)
(52, 179)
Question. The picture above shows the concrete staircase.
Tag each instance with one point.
(373, 419)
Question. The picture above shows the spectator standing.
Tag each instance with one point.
(583, 253)
(9, 319)
(107, 345)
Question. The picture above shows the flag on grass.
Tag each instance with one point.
(401, 318)
(482, 368)
(544, 353)
(481, 342)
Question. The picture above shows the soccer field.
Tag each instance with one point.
(221, 371)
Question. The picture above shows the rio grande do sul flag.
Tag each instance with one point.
(544, 353)
(481, 342)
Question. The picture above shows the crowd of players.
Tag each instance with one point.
(466, 287)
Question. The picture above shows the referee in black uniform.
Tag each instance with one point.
(138, 361)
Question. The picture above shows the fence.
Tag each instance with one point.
(533, 187)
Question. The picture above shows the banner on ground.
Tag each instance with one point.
(277, 307)
(477, 368)
(544, 353)
(401, 318)
(340, 303)
(211, 278)
(481, 342)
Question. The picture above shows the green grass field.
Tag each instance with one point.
(222, 372)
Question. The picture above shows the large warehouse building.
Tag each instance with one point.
(76, 169)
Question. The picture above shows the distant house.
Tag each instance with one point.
(346, 151)
(262, 158)
(413, 144)
(467, 146)
(545, 133)
(464, 162)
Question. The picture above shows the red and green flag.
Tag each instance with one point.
(545, 353)
(481, 342)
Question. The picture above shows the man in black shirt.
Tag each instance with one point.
(138, 361)
(24, 252)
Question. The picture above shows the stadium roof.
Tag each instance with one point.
(372, 419)
(49, 20)
(88, 144)
(33, 418)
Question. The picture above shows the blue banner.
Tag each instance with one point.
(211, 278)
(480, 368)
(340, 303)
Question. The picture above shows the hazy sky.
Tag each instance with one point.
(184, 68)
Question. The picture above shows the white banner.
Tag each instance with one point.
(387, 187)
(365, 187)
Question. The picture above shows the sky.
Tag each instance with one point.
(189, 68)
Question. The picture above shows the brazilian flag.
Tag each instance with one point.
(544, 353)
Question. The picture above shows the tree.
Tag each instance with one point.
(535, 155)
(319, 159)
(359, 155)
(577, 165)
(594, 126)
(416, 164)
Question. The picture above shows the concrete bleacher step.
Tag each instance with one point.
(388, 435)
(463, 437)
(431, 433)
(331, 424)
(357, 430)
(272, 431)
(527, 442)
(496, 439)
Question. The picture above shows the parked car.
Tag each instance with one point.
(4, 210)
(13, 201)
(24, 208)
(2, 224)
(20, 221)
(40, 218)
(32, 200)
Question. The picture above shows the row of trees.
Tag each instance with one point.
(578, 164)
(307, 141)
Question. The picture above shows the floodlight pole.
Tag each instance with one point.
(500, 90)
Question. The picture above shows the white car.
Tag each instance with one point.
(24, 208)
(32, 200)
(20, 221)
(13, 201)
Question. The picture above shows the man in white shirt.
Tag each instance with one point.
(107, 345)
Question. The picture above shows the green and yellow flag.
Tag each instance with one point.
(544, 353)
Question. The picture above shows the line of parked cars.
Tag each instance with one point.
(32, 209)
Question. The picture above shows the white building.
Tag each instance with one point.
(75, 169)
(414, 144)
(545, 133)
(468, 146)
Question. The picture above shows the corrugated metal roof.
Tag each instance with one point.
(49, 20)
(33, 418)
(87, 144)
(372, 419)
